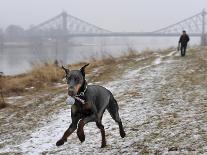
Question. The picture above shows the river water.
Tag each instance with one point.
(21, 59)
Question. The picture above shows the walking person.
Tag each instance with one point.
(183, 41)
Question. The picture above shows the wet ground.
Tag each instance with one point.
(163, 106)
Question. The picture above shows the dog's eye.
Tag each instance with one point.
(76, 79)
(68, 77)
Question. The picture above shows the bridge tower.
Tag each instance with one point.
(64, 21)
(64, 30)
(61, 39)
(203, 33)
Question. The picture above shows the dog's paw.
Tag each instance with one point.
(123, 134)
(82, 139)
(103, 145)
(81, 136)
(60, 142)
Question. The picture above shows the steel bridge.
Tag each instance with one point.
(68, 26)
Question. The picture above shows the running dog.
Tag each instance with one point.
(90, 103)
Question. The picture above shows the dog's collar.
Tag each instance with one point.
(81, 95)
(83, 92)
(83, 88)
(79, 99)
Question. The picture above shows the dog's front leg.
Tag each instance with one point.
(81, 124)
(69, 131)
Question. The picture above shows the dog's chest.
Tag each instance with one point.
(85, 109)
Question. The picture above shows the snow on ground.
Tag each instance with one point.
(160, 113)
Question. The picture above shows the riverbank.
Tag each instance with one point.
(45, 76)
(162, 100)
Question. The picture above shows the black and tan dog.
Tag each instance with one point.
(90, 104)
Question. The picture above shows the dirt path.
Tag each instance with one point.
(163, 106)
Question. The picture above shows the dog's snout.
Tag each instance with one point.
(71, 90)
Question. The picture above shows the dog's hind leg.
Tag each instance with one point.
(113, 110)
(101, 127)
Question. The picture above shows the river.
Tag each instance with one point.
(21, 59)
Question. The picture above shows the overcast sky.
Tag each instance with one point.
(114, 15)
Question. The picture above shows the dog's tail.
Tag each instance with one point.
(113, 108)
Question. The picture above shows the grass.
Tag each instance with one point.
(44, 76)
(2, 102)
(38, 78)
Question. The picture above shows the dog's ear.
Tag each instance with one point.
(83, 69)
(66, 70)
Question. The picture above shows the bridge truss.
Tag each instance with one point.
(67, 24)
(70, 26)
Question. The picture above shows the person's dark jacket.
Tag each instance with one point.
(184, 39)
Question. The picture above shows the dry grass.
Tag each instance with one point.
(39, 78)
(44, 76)
(2, 102)
(109, 67)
